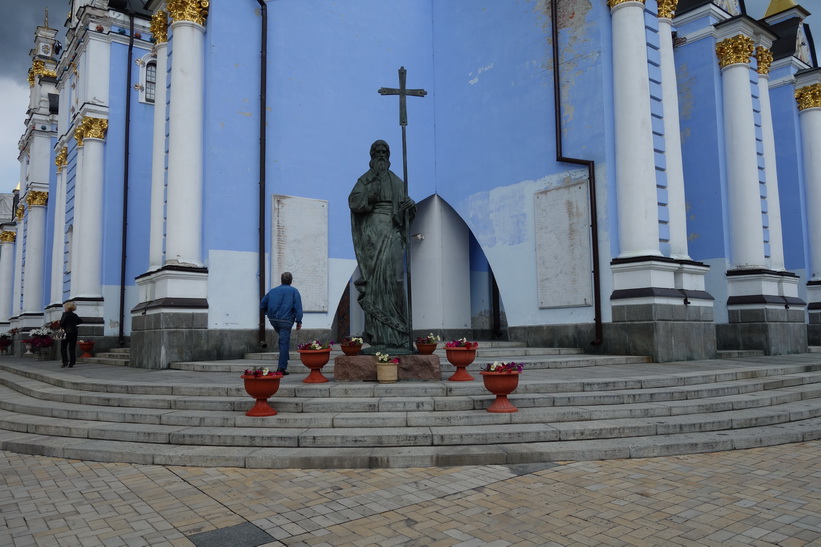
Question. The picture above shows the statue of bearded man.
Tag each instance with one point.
(381, 212)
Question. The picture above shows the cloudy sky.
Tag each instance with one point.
(21, 17)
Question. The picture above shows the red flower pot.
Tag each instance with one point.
(501, 384)
(261, 388)
(460, 358)
(86, 348)
(315, 359)
(351, 350)
(426, 349)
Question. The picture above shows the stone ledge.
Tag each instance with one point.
(362, 368)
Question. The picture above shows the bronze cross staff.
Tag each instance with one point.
(403, 121)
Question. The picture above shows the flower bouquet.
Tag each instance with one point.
(314, 345)
(426, 345)
(260, 371)
(501, 366)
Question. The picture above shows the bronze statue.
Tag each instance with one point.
(381, 213)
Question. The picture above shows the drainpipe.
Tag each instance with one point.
(591, 173)
(121, 335)
(263, 91)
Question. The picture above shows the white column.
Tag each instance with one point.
(35, 252)
(76, 232)
(809, 104)
(86, 280)
(672, 137)
(7, 238)
(764, 58)
(635, 165)
(16, 306)
(744, 195)
(155, 240)
(58, 240)
(185, 146)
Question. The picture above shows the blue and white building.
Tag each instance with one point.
(626, 176)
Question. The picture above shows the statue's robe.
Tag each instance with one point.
(378, 230)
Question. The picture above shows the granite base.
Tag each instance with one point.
(362, 368)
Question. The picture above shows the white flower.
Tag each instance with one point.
(265, 371)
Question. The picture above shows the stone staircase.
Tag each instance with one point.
(114, 356)
(571, 407)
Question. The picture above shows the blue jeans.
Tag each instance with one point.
(283, 330)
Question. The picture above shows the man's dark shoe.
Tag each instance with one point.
(283, 371)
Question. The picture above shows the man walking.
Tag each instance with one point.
(283, 306)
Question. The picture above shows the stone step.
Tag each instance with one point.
(306, 457)
(532, 361)
(738, 353)
(106, 359)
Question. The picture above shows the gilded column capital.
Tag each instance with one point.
(62, 159)
(765, 58)
(808, 96)
(38, 68)
(90, 128)
(159, 26)
(667, 8)
(7, 236)
(195, 11)
(737, 49)
(36, 198)
(21, 211)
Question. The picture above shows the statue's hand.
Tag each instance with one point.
(407, 205)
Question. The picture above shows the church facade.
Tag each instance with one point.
(626, 177)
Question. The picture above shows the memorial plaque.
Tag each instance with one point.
(563, 266)
(299, 244)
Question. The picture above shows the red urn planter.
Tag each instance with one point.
(501, 384)
(351, 350)
(426, 349)
(315, 359)
(86, 348)
(460, 358)
(261, 388)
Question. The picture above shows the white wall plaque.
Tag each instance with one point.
(299, 244)
(563, 267)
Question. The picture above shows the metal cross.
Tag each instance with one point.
(403, 93)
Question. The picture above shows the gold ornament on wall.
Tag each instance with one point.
(765, 58)
(90, 128)
(38, 68)
(667, 8)
(613, 3)
(808, 97)
(159, 26)
(195, 11)
(21, 211)
(7, 236)
(62, 159)
(737, 49)
(37, 198)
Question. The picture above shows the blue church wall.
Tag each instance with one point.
(52, 193)
(139, 191)
(328, 116)
(495, 127)
(699, 89)
(787, 130)
(71, 178)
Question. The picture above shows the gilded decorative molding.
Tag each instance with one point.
(21, 211)
(195, 11)
(62, 159)
(37, 198)
(38, 68)
(808, 97)
(7, 236)
(765, 59)
(667, 8)
(90, 128)
(159, 26)
(737, 49)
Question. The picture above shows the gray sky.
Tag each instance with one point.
(20, 18)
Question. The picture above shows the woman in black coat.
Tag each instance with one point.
(68, 345)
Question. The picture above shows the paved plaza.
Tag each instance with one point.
(760, 496)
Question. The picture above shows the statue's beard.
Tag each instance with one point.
(381, 165)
